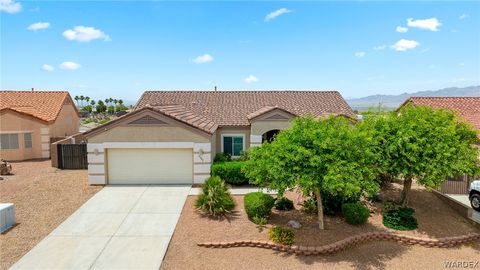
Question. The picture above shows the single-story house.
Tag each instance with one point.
(467, 108)
(171, 137)
(30, 119)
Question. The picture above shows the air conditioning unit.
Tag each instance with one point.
(7, 216)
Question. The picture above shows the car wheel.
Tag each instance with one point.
(475, 201)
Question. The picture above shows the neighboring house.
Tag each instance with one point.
(171, 137)
(29, 119)
(467, 108)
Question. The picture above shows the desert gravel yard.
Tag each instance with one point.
(435, 219)
(44, 197)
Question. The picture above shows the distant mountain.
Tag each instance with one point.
(393, 101)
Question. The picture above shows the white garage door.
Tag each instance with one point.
(150, 166)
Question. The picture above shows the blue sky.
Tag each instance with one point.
(121, 48)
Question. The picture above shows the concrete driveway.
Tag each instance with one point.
(120, 227)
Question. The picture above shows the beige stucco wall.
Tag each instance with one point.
(148, 134)
(11, 122)
(231, 130)
(260, 127)
(67, 122)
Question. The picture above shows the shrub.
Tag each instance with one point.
(222, 157)
(244, 156)
(258, 204)
(104, 121)
(230, 172)
(279, 235)
(215, 198)
(332, 204)
(310, 206)
(283, 204)
(399, 218)
(259, 220)
(355, 213)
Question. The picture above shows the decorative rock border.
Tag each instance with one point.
(348, 242)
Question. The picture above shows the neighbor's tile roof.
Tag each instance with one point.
(44, 105)
(233, 108)
(468, 108)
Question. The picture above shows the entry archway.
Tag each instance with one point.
(269, 136)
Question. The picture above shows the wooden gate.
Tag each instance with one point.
(72, 156)
(455, 185)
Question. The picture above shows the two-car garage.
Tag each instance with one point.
(150, 166)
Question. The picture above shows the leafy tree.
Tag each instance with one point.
(316, 155)
(87, 108)
(424, 144)
(100, 107)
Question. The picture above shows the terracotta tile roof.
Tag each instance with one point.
(176, 112)
(43, 105)
(181, 114)
(468, 108)
(233, 108)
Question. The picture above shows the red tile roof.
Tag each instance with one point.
(43, 105)
(468, 108)
(179, 113)
(233, 108)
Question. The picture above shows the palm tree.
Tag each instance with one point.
(120, 102)
(82, 98)
(92, 102)
(76, 99)
(107, 100)
(87, 99)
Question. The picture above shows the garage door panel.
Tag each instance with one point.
(150, 166)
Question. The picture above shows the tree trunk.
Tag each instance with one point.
(319, 208)
(407, 185)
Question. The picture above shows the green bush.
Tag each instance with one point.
(222, 157)
(310, 206)
(332, 204)
(279, 235)
(259, 220)
(258, 204)
(283, 204)
(215, 198)
(355, 213)
(400, 218)
(230, 172)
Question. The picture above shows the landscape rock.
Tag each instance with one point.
(294, 224)
(5, 167)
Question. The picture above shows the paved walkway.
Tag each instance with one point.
(120, 227)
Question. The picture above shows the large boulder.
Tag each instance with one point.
(5, 167)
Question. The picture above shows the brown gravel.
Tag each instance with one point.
(435, 218)
(44, 197)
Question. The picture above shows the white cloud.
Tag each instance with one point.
(10, 6)
(431, 24)
(202, 59)
(38, 26)
(360, 54)
(405, 45)
(250, 79)
(379, 47)
(68, 65)
(463, 16)
(274, 14)
(85, 34)
(46, 67)
(401, 29)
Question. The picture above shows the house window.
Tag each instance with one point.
(27, 138)
(9, 141)
(233, 144)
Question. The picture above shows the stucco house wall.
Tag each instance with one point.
(13, 122)
(67, 123)
(225, 130)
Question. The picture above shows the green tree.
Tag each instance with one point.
(82, 98)
(100, 107)
(328, 155)
(424, 144)
(76, 99)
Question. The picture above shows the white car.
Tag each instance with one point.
(474, 196)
